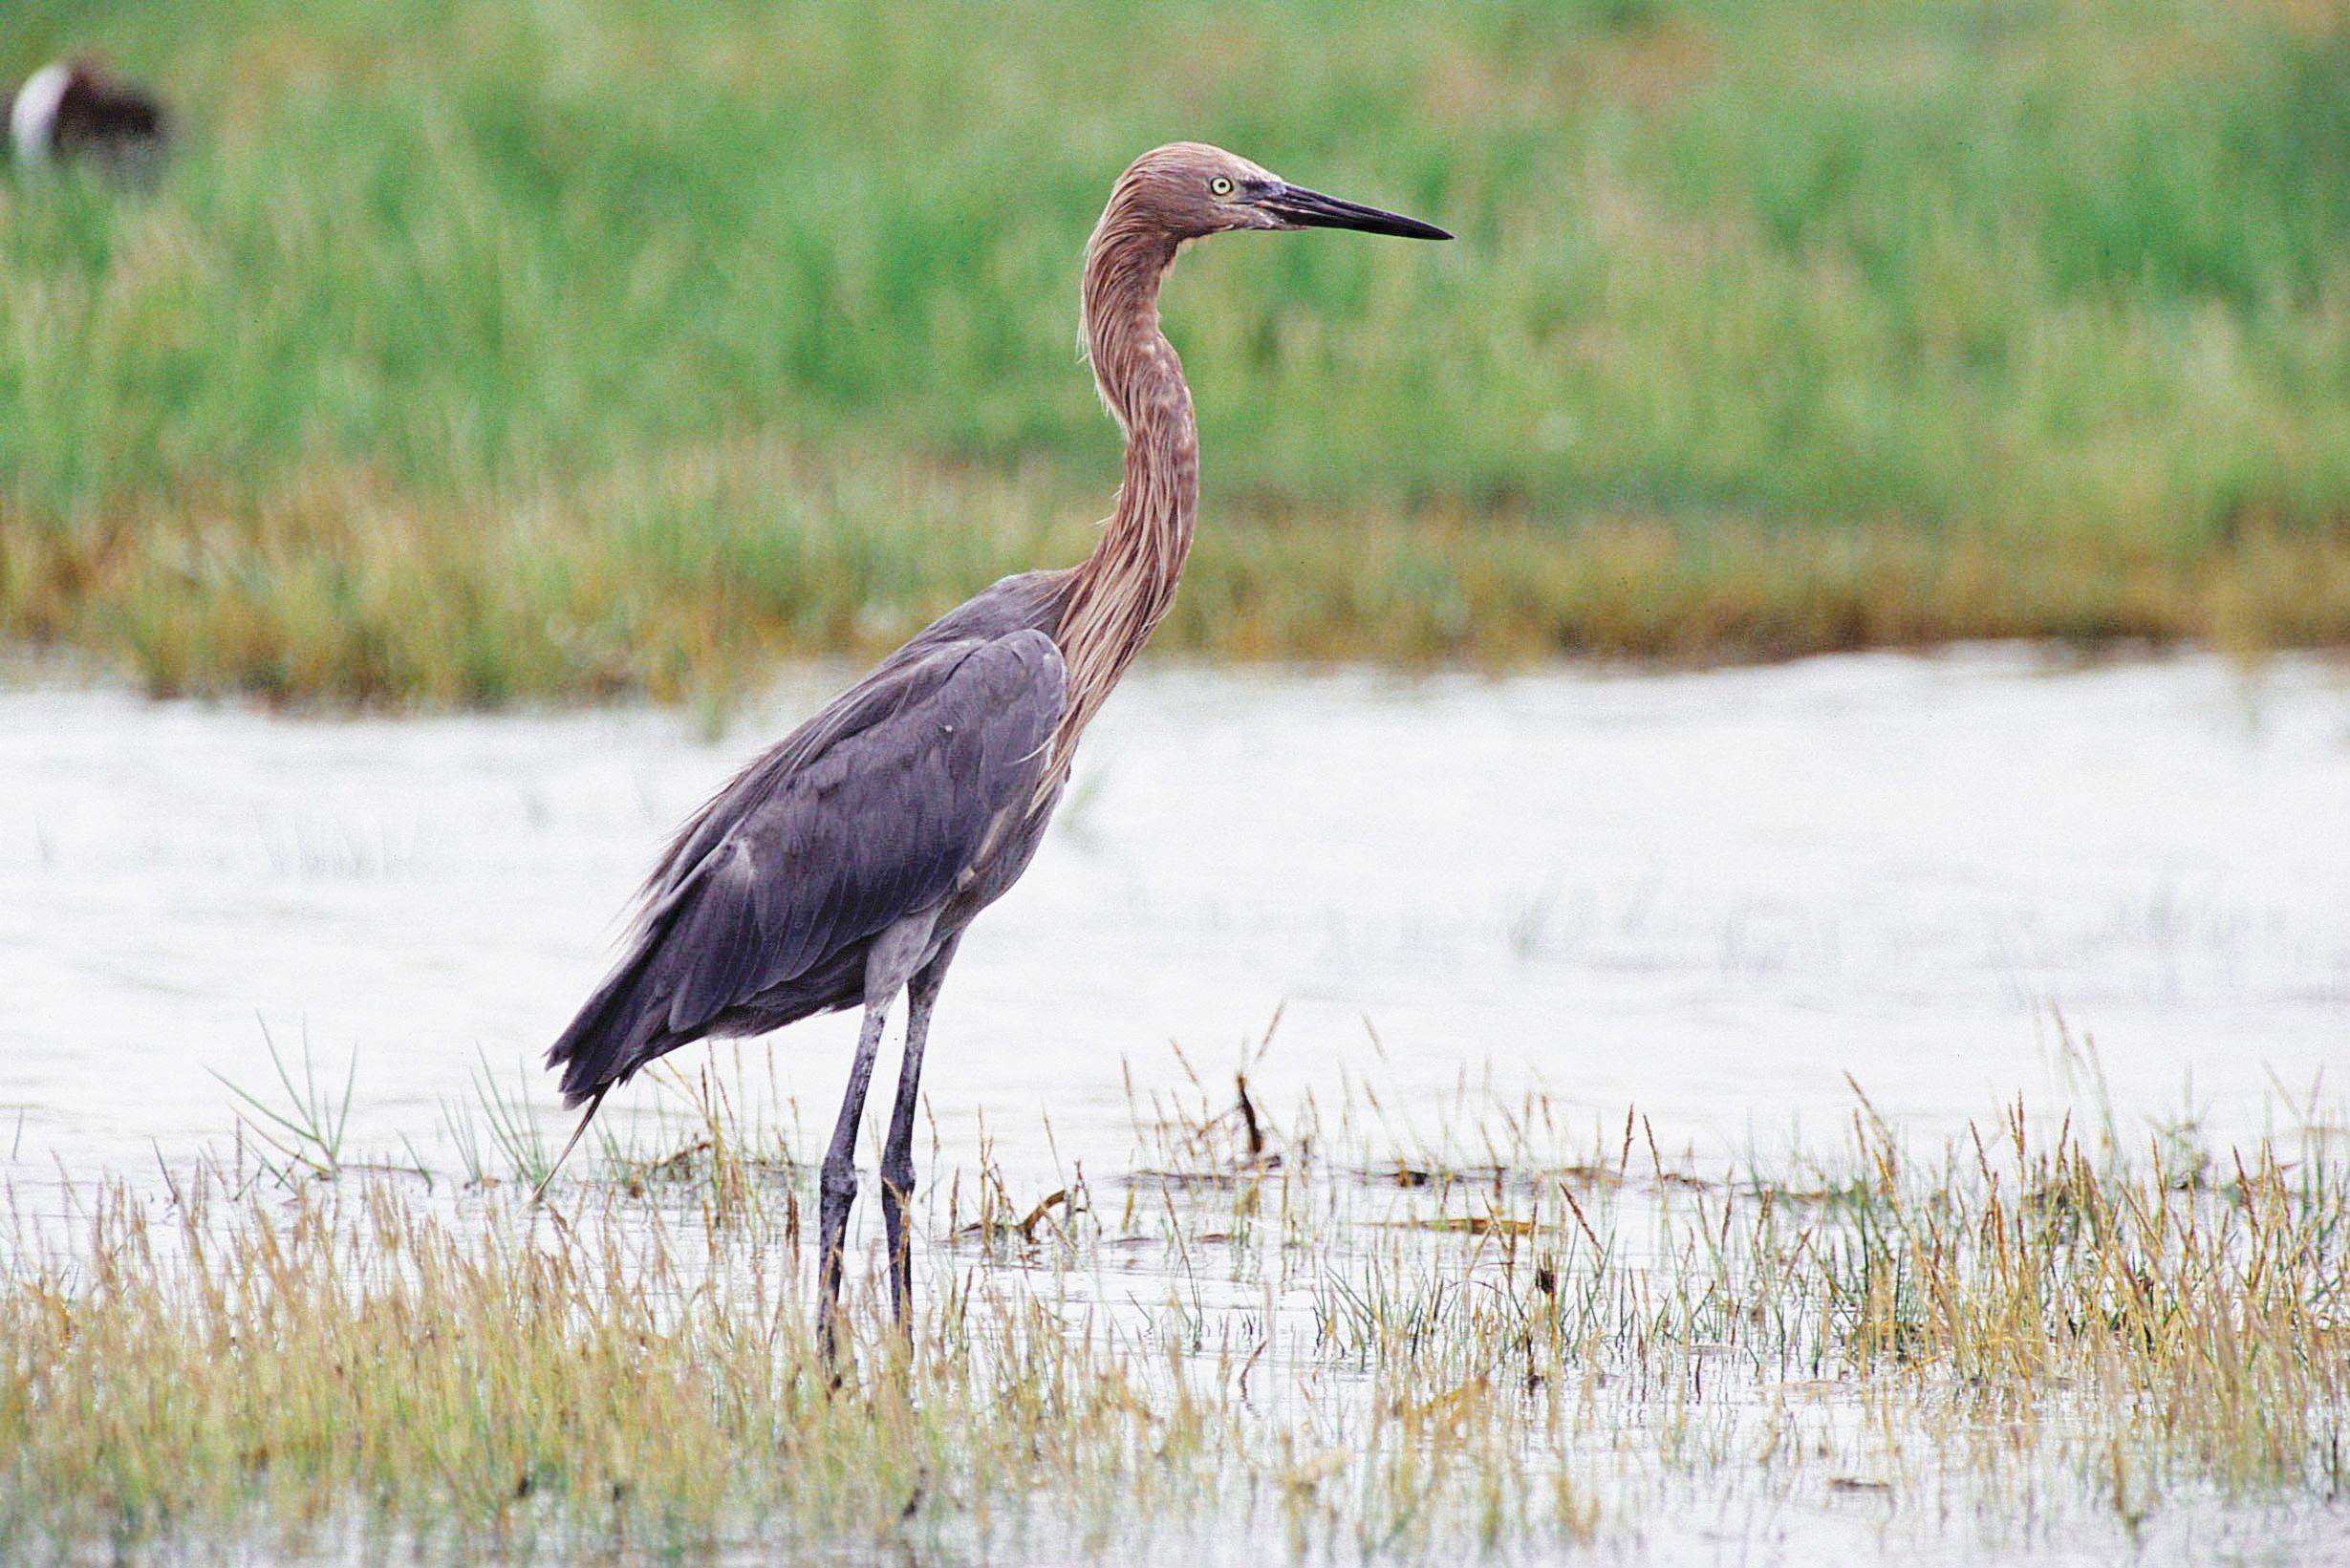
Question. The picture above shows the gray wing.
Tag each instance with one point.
(872, 810)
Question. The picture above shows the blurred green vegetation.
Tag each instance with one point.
(526, 346)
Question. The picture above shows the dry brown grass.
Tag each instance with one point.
(691, 578)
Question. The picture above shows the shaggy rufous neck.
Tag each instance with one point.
(1123, 588)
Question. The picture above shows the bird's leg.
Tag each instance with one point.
(840, 1178)
(897, 1153)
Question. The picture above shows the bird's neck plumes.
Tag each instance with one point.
(1123, 588)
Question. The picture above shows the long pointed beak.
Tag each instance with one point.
(1303, 208)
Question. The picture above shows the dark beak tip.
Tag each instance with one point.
(1311, 209)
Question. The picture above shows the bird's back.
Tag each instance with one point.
(917, 788)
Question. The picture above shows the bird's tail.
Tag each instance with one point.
(614, 1034)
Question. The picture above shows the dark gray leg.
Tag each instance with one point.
(840, 1178)
(897, 1153)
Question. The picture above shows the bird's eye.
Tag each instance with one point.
(1219, 186)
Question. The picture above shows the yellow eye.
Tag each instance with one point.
(1219, 186)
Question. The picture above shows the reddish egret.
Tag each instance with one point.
(842, 866)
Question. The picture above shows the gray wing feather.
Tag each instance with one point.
(871, 811)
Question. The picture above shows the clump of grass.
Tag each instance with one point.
(303, 1133)
(1404, 1349)
(472, 352)
(360, 1363)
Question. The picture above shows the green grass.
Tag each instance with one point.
(474, 351)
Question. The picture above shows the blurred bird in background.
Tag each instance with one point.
(78, 110)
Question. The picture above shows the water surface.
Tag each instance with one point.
(1710, 895)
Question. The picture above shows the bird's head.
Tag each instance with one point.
(1191, 190)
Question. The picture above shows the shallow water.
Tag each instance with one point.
(1710, 895)
(2117, 892)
